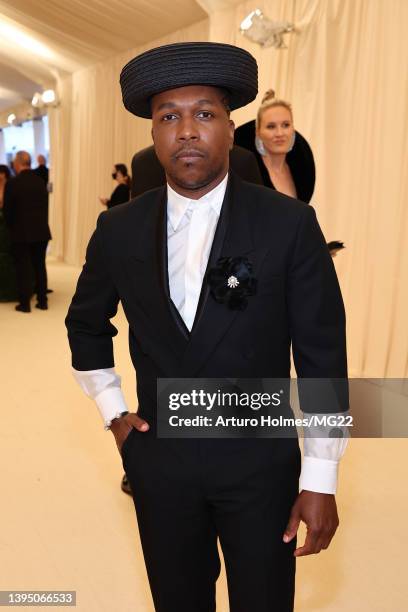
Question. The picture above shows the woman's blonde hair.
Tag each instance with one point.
(269, 101)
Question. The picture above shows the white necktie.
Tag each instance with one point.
(196, 257)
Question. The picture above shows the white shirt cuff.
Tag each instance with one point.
(110, 402)
(319, 475)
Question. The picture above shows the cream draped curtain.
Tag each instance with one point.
(346, 74)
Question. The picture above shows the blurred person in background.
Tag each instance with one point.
(4, 177)
(8, 287)
(284, 157)
(275, 137)
(26, 214)
(42, 170)
(121, 192)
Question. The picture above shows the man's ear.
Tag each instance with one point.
(232, 130)
(152, 134)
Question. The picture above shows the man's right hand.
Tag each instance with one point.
(122, 427)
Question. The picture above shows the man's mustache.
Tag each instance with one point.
(188, 152)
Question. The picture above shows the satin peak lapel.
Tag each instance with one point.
(152, 289)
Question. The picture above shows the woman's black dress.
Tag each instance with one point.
(300, 161)
(120, 195)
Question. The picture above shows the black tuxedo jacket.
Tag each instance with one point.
(298, 298)
(26, 208)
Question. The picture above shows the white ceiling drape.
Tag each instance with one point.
(44, 40)
(88, 30)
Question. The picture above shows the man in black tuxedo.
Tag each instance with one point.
(157, 255)
(26, 214)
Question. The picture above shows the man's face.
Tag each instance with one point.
(192, 135)
(16, 166)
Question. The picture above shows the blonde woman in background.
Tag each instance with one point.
(285, 159)
(275, 137)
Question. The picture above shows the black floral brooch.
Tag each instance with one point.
(231, 282)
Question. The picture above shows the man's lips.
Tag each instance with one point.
(188, 154)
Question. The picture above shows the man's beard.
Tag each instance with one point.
(199, 182)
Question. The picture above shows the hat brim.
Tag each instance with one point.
(183, 64)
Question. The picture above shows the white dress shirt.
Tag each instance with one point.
(191, 226)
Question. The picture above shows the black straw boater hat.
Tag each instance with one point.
(190, 63)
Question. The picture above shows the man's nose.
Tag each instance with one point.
(187, 129)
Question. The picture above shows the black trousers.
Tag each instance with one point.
(30, 258)
(189, 492)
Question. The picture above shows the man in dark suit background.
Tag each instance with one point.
(42, 170)
(157, 255)
(26, 214)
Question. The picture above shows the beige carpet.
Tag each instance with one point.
(66, 525)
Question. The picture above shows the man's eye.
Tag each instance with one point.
(205, 114)
(168, 117)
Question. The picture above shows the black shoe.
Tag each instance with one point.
(23, 308)
(41, 306)
(125, 486)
